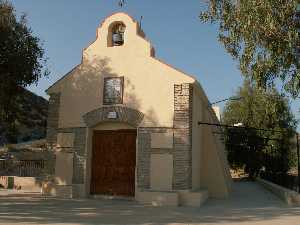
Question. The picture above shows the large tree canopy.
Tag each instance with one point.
(263, 109)
(262, 35)
(260, 108)
(21, 60)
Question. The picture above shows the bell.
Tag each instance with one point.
(117, 39)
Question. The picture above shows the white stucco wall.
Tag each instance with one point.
(148, 83)
(198, 105)
(214, 171)
(161, 172)
(64, 168)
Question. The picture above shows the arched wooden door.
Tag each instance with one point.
(113, 162)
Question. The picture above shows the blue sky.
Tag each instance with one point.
(173, 27)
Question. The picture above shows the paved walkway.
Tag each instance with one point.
(249, 204)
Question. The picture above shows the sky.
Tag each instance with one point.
(173, 27)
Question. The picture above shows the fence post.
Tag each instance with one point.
(298, 160)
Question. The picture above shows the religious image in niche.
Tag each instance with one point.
(113, 90)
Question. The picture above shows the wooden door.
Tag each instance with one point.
(113, 162)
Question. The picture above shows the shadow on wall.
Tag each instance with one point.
(82, 93)
(83, 90)
(131, 100)
(86, 80)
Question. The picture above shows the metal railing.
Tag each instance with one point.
(21, 168)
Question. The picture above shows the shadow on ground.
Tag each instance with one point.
(248, 203)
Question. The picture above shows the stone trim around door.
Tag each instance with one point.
(144, 154)
(116, 113)
(182, 143)
(113, 114)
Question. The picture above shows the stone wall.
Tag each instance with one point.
(78, 149)
(143, 158)
(182, 143)
(53, 118)
(79, 152)
(144, 154)
(183, 98)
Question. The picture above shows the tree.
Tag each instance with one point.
(262, 109)
(263, 36)
(21, 63)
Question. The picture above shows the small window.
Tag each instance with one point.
(113, 90)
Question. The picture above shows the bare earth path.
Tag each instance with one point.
(249, 204)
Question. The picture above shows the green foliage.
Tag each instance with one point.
(260, 108)
(262, 35)
(21, 62)
(263, 109)
(30, 119)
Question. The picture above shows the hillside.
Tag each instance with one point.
(31, 118)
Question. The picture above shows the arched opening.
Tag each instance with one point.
(116, 34)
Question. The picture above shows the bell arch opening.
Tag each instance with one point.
(116, 32)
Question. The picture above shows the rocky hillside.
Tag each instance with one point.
(31, 118)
